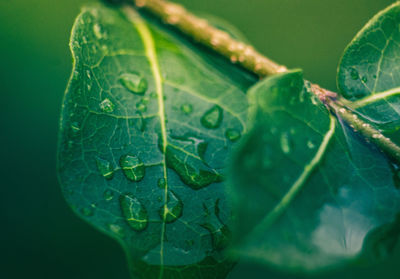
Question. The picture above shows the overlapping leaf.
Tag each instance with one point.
(310, 193)
(148, 121)
(369, 73)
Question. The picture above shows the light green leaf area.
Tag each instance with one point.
(369, 73)
(309, 193)
(148, 121)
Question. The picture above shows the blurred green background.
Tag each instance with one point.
(40, 237)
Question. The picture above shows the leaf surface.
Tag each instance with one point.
(147, 123)
(369, 72)
(310, 194)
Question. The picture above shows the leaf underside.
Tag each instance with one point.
(148, 121)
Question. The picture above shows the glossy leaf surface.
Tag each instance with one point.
(310, 193)
(144, 141)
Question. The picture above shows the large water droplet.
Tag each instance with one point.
(212, 118)
(134, 212)
(105, 168)
(132, 167)
(187, 108)
(285, 143)
(106, 105)
(233, 134)
(134, 83)
(220, 236)
(172, 210)
(192, 172)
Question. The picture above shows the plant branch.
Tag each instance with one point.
(220, 41)
(250, 59)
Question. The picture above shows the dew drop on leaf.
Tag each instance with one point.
(364, 79)
(134, 212)
(161, 183)
(354, 74)
(105, 168)
(117, 229)
(310, 144)
(187, 108)
(172, 210)
(108, 195)
(212, 118)
(132, 167)
(285, 143)
(233, 134)
(134, 83)
(106, 105)
(87, 211)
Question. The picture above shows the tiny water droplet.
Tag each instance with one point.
(310, 144)
(75, 127)
(108, 195)
(117, 229)
(233, 134)
(354, 74)
(134, 212)
(364, 79)
(106, 105)
(134, 83)
(132, 167)
(105, 168)
(172, 210)
(97, 30)
(87, 211)
(285, 143)
(161, 183)
(187, 108)
(142, 105)
(212, 118)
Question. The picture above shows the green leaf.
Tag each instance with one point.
(310, 194)
(146, 128)
(369, 73)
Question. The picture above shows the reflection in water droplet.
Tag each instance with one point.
(108, 195)
(106, 105)
(132, 167)
(192, 172)
(310, 144)
(97, 31)
(161, 183)
(212, 118)
(105, 168)
(232, 134)
(134, 212)
(134, 83)
(187, 108)
(75, 127)
(354, 74)
(172, 210)
(285, 143)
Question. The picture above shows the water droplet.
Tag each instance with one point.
(134, 212)
(187, 108)
(106, 105)
(117, 229)
(354, 74)
(108, 195)
(233, 134)
(212, 118)
(142, 105)
(364, 79)
(310, 144)
(97, 30)
(132, 167)
(87, 211)
(220, 235)
(285, 143)
(134, 83)
(193, 173)
(172, 210)
(105, 168)
(161, 183)
(75, 127)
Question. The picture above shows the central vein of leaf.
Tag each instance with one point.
(151, 54)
